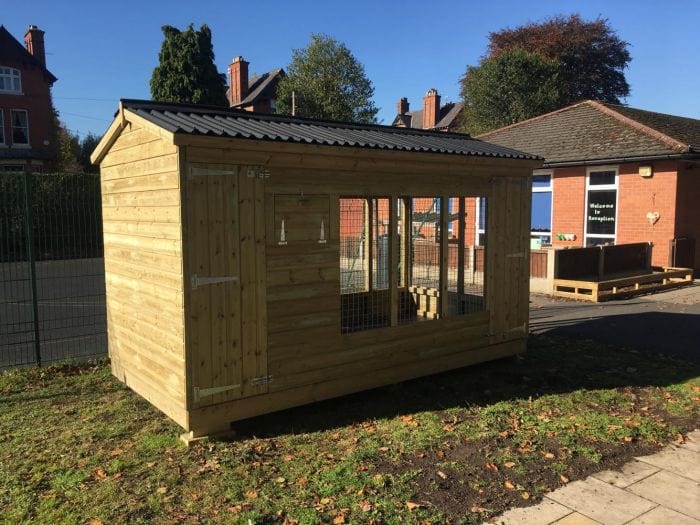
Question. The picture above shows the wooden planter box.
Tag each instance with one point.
(215, 314)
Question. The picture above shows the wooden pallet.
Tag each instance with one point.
(597, 291)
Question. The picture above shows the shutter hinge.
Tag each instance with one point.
(197, 281)
(258, 172)
(199, 393)
(260, 380)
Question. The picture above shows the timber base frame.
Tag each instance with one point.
(596, 291)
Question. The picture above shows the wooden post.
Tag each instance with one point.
(601, 262)
(393, 261)
(444, 256)
(369, 248)
(461, 230)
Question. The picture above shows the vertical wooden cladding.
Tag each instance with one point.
(508, 252)
(225, 250)
(143, 267)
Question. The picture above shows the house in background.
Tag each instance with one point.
(432, 116)
(257, 94)
(25, 103)
(613, 174)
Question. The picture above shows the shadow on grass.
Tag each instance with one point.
(552, 365)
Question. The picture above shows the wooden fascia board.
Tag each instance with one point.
(349, 154)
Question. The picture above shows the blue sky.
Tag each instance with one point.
(105, 51)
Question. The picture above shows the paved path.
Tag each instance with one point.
(666, 322)
(662, 489)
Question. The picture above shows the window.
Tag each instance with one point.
(2, 127)
(601, 206)
(20, 127)
(480, 223)
(541, 218)
(10, 80)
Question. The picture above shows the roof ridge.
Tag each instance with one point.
(302, 120)
(667, 140)
(532, 119)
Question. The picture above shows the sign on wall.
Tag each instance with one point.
(601, 212)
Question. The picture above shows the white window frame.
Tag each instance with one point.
(479, 231)
(19, 144)
(601, 187)
(549, 189)
(3, 142)
(11, 74)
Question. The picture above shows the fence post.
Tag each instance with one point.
(29, 225)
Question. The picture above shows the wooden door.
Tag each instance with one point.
(226, 315)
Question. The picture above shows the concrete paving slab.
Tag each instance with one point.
(663, 516)
(576, 519)
(601, 501)
(692, 441)
(672, 491)
(629, 473)
(682, 461)
(541, 514)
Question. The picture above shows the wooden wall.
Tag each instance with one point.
(143, 267)
(307, 356)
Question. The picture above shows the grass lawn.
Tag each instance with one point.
(78, 447)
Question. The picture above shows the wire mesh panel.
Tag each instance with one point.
(52, 304)
(364, 263)
(465, 272)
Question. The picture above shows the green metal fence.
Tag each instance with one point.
(52, 302)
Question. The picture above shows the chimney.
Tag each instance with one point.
(34, 40)
(403, 106)
(238, 76)
(431, 108)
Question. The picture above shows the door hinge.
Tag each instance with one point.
(258, 172)
(199, 393)
(203, 172)
(260, 380)
(197, 281)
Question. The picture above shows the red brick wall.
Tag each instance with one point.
(35, 98)
(688, 205)
(639, 195)
(569, 201)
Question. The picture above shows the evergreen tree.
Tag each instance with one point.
(186, 71)
(328, 82)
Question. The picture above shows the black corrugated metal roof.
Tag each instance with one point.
(232, 123)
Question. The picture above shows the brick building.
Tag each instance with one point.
(434, 116)
(258, 93)
(25, 103)
(613, 174)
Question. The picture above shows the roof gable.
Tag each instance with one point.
(12, 52)
(592, 131)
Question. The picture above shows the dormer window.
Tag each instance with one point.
(10, 80)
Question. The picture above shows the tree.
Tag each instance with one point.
(186, 71)
(592, 57)
(328, 82)
(514, 86)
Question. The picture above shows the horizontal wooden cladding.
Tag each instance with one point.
(146, 198)
(301, 276)
(154, 275)
(167, 179)
(136, 286)
(149, 244)
(131, 137)
(152, 230)
(136, 152)
(154, 214)
(212, 416)
(144, 259)
(241, 151)
(158, 326)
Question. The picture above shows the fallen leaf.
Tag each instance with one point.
(366, 507)
(448, 428)
(151, 464)
(290, 521)
(339, 519)
(410, 421)
(628, 439)
(116, 452)
(94, 522)
(479, 510)
(440, 453)
(680, 439)
(326, 501)
(383, 449)
(507, 484)
(162, 490)
(288, 457)
(412, 506)
(442, 474)
(509, 464)
(549, 455)
(420, 454)
(667, 395)
(525, 495)
(100, 474)
(302, 481)
(504, 434)
(563, 478)
(280, 480)
(251, 494)
(492, 467)
(235, 509)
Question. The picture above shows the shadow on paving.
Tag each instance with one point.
(552, 365)
(670, 333)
